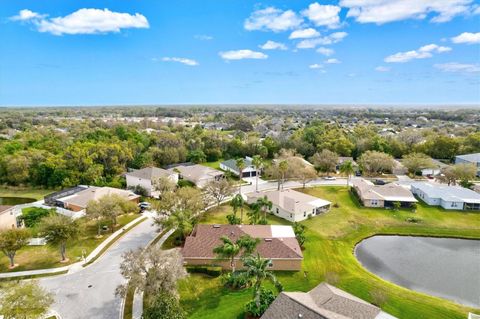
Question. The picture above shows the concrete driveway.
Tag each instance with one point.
(90, 292)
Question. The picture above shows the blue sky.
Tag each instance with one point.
(239, 51)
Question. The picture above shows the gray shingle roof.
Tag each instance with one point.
(473, 158)
(150, 173)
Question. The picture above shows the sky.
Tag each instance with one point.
(117, 52)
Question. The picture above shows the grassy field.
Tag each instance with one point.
(331, 239)
(25, 192)
(214, 165)
(40, 257)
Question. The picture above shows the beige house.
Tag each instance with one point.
(198, 174)
(277, 243)
(322, 302)
(292, 205)
(382, 195)
(8, 219)
(147, 177)
(79, 201)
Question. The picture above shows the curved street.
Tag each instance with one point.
(90, 292)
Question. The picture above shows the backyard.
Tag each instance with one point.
(328, 255)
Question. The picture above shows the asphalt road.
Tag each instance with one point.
(90, 292)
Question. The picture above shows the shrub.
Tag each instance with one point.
(336, 205)
(31, 216)
(139, 190)
(233, 220)
(213, 271)
(266, 298)
(413, 220)
(379, 297)
(164, 306)
(185, 183)
(237, 280)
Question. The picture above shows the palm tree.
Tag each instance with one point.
(241, 166)
(282, 167)
(182, 220)
(256, 269)
(230, 249)
(257, 161)
(236, 203)
(254, 214)
(264, 205)
(347, 169)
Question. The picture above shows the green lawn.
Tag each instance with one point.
(215, 165)
(40, 257)
(331, 239)
(36, 193)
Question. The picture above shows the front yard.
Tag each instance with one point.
(331, 238)
(41, 257)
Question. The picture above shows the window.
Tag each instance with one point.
(278, 211)
(291, 215)
(454, 204)
(270, 263)
(304, 214)
(374, 202)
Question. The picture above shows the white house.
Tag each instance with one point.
(231, 166)
(292, 205)
(147, 178)
(469, 159)
(449, 197)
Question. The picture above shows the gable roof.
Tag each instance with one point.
(196, 172)
(474, 158)
(388, 192)
(232, 163)
(277, 242)
(82, 198)
(150, 173)
(448, 193)
(291, 200)
(322, 302)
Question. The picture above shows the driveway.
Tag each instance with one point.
(90, 292)
(272, 185)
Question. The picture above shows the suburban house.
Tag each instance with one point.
(322, 302)
(231, 166)
(198, 174)
(277, 243)
(435, 170)
(469, 159)
(7, 217)
(147, 178)
(77, 198)
(382, 195)
(292, 205)
(449, 197)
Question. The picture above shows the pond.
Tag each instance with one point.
(11, 201)
(442, 267)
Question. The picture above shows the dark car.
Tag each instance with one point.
(379, 182)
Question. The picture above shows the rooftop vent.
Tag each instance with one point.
(268, 239)
(216, 226)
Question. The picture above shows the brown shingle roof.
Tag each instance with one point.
(4, 208)
(206, 237)
(150, 173)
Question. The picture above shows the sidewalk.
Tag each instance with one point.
(75, 266)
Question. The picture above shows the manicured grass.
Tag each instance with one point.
(25, 192)
(42, 257)
(215, 165)
(331, 239)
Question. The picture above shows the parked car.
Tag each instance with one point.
(329, 178)
(144, 205)
(358, 173)
(379, 182)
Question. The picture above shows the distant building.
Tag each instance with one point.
(292, 205)
(76, 199)
(231, 166)
(435, 170)
(147, 177)
(469, 159)
(198, 174)
(382, 195)
(449, 197)
(8, 219)
(277, 243)
(322, 302)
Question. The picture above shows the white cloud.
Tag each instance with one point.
(304, 34)
(383, 11)
(242, 54)
(272, 45)
(185, 61)
(458, 67)
(325, 51)
(323, 15)
(329, 39)
(203, 37)
(424, 52)
(272, 19)
(382, 68)
(332, 61)
(85, 21)
(315, 66)
(26, 15)
(467, 37)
